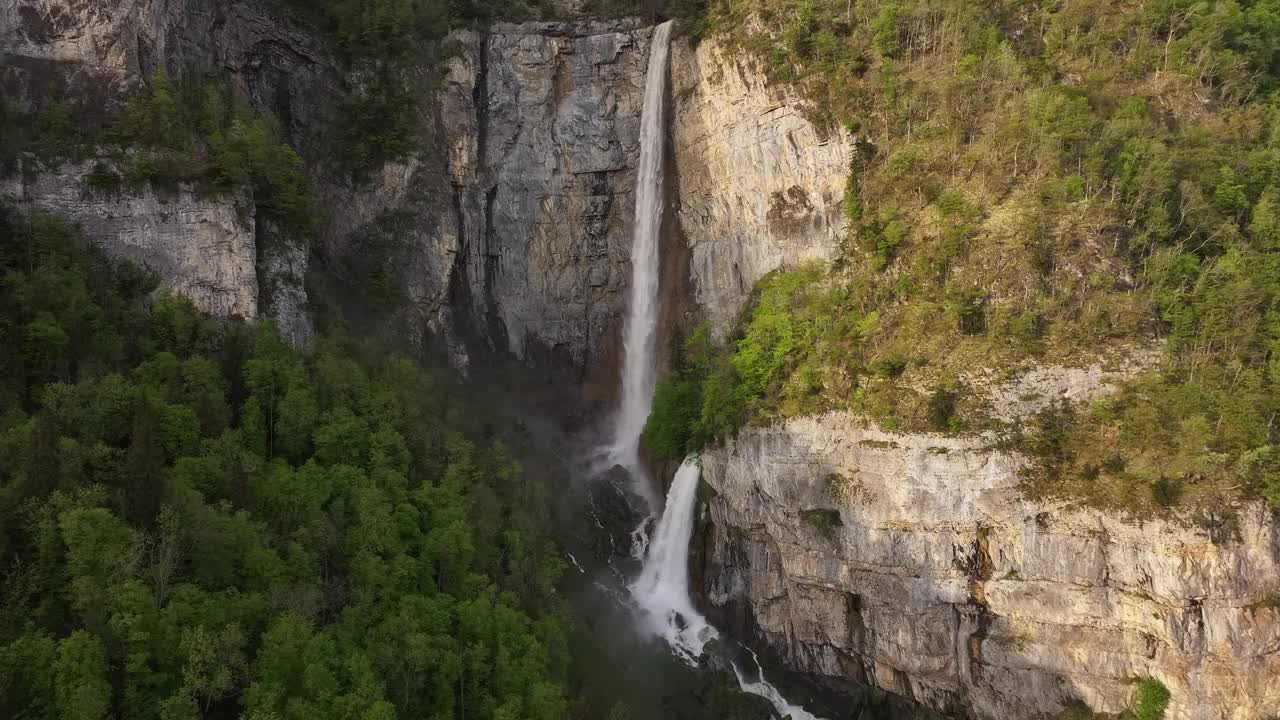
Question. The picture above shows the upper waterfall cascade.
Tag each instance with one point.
(639, 375)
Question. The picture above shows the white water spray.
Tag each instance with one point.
(662, 591)
(762, 688)
(639, 344)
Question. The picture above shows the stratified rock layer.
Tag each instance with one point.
(760, 186)
(200, 246)
(942, 582)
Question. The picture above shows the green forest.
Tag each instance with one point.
(198, 521)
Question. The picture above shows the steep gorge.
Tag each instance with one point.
(510, 232)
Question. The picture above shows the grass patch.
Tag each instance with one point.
(824, 520)
(1270, 602)
(844, 489)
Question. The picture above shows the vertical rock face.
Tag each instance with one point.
(515, 214)
(102, 35)
(200, 246)
(282, 267)
(914, 563)
(541, 129)
(97, 52)
(760, 187)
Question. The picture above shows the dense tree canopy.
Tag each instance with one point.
(197, 521)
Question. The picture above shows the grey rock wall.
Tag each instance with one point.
(541, 126)
(760, 186)
(945, 584)
(201, 246)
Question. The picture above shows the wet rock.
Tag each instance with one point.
(616, 512)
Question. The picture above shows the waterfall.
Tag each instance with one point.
(762, 688)
(662, 591)
(640, 333)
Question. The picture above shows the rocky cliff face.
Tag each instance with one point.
(96, 53)
(541, 123)
(914, 563)
(203, 247)
(513, 218)
(760, 186)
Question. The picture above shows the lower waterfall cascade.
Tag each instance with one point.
(662, 591)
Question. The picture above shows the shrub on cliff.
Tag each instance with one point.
(824, 520)
(671, 427)
(1150, 700)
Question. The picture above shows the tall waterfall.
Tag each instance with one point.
(662, 590)
(639, 345)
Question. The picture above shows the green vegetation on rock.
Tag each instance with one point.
(1038, 183)
(198, 521)
(1150, 700)
(197, 132)
(201, 133)
(800, 349)
(824, 520)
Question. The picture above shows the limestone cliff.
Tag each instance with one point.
(541, 124)
(915, 563)
(98, 52)
(512, 219)
(203, 247)
(760, 186)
